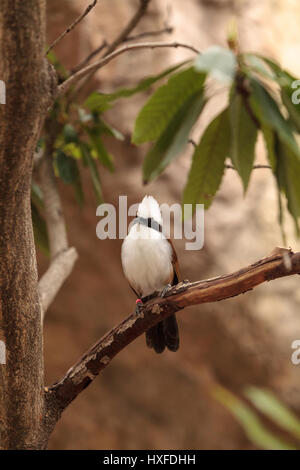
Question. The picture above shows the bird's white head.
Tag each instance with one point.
(149, 208)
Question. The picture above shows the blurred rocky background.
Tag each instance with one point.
(143, 400)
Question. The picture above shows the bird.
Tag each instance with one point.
(150, 266)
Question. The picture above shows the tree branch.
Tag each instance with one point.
(90, 57)
(281, 263)
(72, 26)
(124, 37)
(145, 34)
(255, 167)
(58, 271)
(63, 258)
(119, 39)
(63, 88)
(104, 44)
(130, 26)
(53, 209)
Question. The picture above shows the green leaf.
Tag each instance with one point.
(101, 101)
(288, 177)
(70, 134)
(159, 110)
(219, 62)
(40, 144)
(72, 149)
(267, 111)
(103, 156)
(271, 142)
(107, 129)
(37, 195)
(288, 87)
(173, 140)
(290, 97)
(84, 116)
(67, 168)
(281, 216)
(293, 109)
(40, 230)
(250, 422)
(53, 59)
(244, 135)
(207, 168)
(269, 139)
(274, 66)
(79, 194)
(268, 404)
(257, 64)
(90, 162)
(69, 172)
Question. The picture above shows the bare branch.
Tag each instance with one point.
(53, 209)
(131, 25)
(90, 57)
(281, 263)
(119, 39)
(255, 167)
(62, 257)
(58, 271)
(166, 30)
(72, 26)
(63, 88)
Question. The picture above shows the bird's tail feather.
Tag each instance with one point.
(164, 334)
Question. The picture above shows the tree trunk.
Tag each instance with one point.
(29, 84)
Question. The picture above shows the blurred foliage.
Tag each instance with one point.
(288, 435)
(260, 101)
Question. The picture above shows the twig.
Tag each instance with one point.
(90, 57)
(80, 375)
(231, 167)
(58, 271)
(72, 26)
(63, 88)
(166, 30)
(120, 38)
(130, 26)
(255, 167)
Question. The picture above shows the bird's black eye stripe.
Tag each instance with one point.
(149, 222)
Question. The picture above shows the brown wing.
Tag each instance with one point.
(175, 264)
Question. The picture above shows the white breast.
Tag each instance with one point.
(146, 259)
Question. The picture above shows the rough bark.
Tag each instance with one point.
(29, 83)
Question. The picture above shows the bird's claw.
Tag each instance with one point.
(165, 290)
(138, 307)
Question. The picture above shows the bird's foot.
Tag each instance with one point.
(165, 290)
(138, 306)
